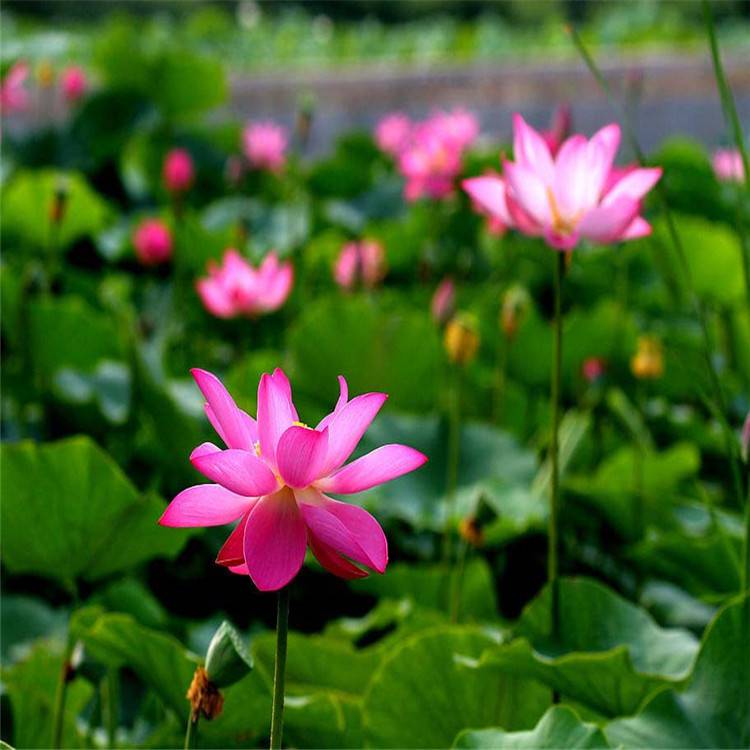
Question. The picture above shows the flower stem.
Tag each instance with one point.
(454, 455)
(458, 582)
(192, 730)
(279, 674)
(745, 572)
(58, 714)
(552, 529)
(111, 690)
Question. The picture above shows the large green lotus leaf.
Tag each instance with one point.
(422, 696)
(618, 479)
(713, 254)
(28, 199)
(714, 710)
(705, 564)
(392, 350)
(56, 323)
(31, 685)
(492, 466)
(68, 512)
(186, 83)
(559, 728)
(429, 586)
(674, 607)
(610, 655)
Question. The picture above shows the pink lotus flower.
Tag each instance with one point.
(236, 288)
(178, 171)
(73, 82)
(360, 261)
(153, 242)
(432, 159)
(13, 94)
(577, 194)
(444, 301)
(498, 222)
(275, 476)
(265, 145)
(392, 133)
(559, 128)
(727, 164)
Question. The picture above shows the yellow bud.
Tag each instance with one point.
(648, 361)
(469, 530)
(461, 339)
(45, 74)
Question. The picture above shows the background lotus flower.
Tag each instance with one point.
(392, 133)
(593, 368)
(13, 94)
(443, 303)
(577, 194)
(360, 262)
(236, 288)
(153, 242)
(727, 164)
(178, 171)
(274, 477)
(265, 145)
(73, 82)
(559, 128)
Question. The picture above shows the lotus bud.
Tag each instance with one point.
(461, 338)
(444, 301)
(470, 531)
(204, 696)
(227, 658)
(45, 74)
(515, 308)
(648, 361)
(59, 202)
(593, 369)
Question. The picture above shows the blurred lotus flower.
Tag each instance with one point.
(559, 129)
(461, 339)
(153, 242)
(360, 262)
(478, 189)
(13, 94)
(727, 164)
(392, 133)
(593, 369)
(274, 477)
(648, 361)
(443, 301)
(431, 160)
(265, 145)
(73, 82)
(577, 194)
(178, 171)
(236, 288)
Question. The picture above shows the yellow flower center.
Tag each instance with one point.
(560, 224)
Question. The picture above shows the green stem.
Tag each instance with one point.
(745, 573)
(552, 529)
(279, 674)
(111, 689)
(700, 311)
(458, 582)
(58, 714)
(727, 99)
(501, 369)
(192, 730)
(454, 454)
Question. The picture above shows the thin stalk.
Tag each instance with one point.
(727, 99)
(111, 689)
(454, 455)
(552, 528)
(61, 692)
(638, 462)
(192, 730)
(458, 582)
(700, 310)
(501, 370)
(745, 573)
(279, 673)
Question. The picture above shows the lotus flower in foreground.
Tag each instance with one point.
(576, 194)
(236, 288)
(275, 476)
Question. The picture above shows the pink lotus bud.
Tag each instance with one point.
(153, 242)
(265, 144)
(559, 130)
(360, 262)
(73, 83)
(727, 164)
(392, 133)
(444, 301)
(13, 94)
(178, 171)
(593, 368)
